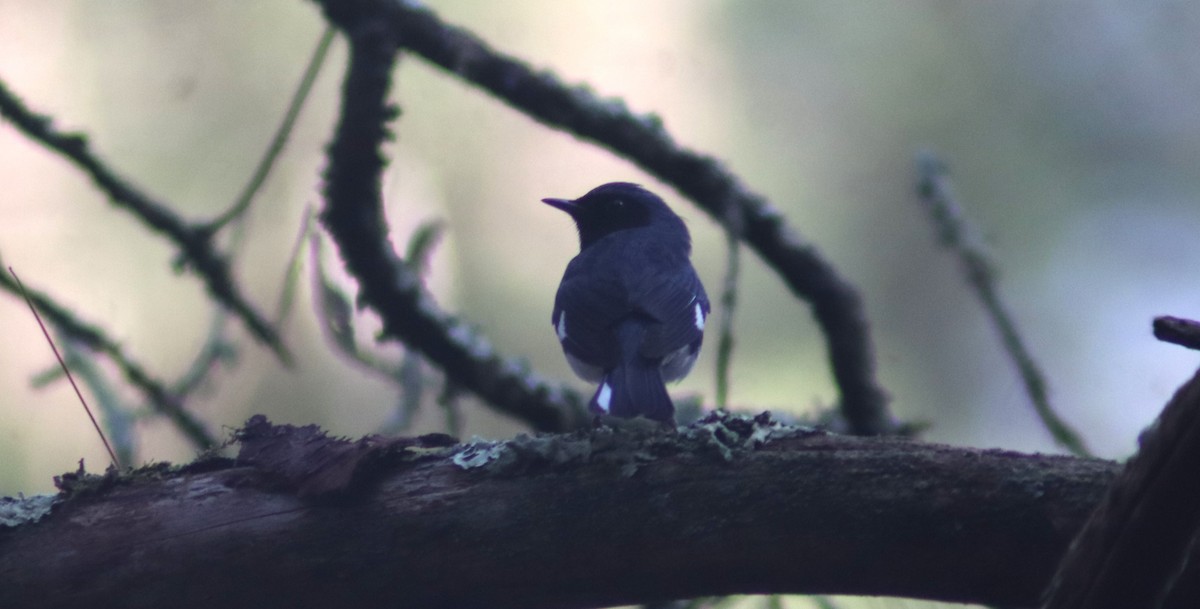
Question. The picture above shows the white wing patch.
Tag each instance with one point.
(699, 318)
(561, 328)
(604, 397)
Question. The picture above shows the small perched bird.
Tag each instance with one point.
(630, 310)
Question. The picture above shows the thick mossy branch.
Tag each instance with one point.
(727, 505)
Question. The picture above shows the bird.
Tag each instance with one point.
(630, 310)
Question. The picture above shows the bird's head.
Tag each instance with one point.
(614, 207)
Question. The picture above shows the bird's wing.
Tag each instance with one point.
(587, 308)
(617, 280)
(675, 299)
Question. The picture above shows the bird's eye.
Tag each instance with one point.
(618, 203)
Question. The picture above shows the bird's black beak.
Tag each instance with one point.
(566, 205)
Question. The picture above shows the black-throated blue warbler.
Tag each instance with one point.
(630, 310)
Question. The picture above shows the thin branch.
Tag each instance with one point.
(354, 217)
(836, 304)
(1179, 331)
(79, 394)
(279, 140)
(1137, 542)
(194, 242)
(729, 293)
(954, 234)
(161, 399)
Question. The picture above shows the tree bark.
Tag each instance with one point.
(591, 519)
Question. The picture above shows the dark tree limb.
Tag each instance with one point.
(591, 519)
(1135, 545)
(1179, 331)
(354, 217)
(836, 304)
(194, 242)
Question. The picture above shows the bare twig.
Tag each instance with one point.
(953, 233)
(194, 242)
(279, 140)
(354, 217)
(729, 293)
(1178, 331)
(79, 394)
(1137, 542)
(836, 304)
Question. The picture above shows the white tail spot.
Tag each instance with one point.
(604, 397)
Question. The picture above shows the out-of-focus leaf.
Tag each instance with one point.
(334, 308)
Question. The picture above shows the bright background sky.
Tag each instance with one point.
(1071, 130)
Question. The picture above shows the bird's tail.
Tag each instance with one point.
(635, 387)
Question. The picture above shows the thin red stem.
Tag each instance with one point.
(61, 362)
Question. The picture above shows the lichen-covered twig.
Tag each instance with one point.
(729, 294)
(194, 241)
(934, 190)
